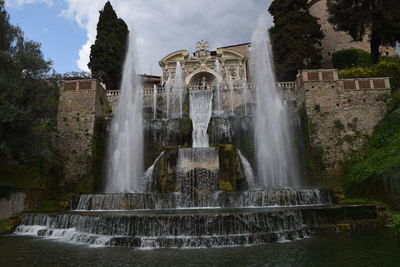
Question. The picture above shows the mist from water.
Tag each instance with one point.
(125, 148)
(277, 164)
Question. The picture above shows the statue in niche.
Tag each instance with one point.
(203, 83)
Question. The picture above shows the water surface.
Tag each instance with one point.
(379, 248)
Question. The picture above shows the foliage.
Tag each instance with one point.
(379, 19)
(49, 205)
(338, 125)
(296, 38)
(314, 154)
(388, 67)
(74, 75)
(108, 52)
(396, 218)
(28, 107)
(351, 57)
(7, 226)
(374, 171)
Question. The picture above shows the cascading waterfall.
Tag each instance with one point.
(200, 113)
(201, 196)
(248, 171)
(276, 158)
(125, 149)
(230, 85)
(178, 85)
(218, 85)
(154, 101)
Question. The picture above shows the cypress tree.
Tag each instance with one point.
(296, 38)
(107, 54)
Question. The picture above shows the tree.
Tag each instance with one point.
(108, 52)
(28, 102)
(296, 38)
(378, 18)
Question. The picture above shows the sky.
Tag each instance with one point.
(67, 28)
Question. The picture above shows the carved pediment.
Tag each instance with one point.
(229, 54)
(180, 55)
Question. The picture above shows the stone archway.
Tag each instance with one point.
(196, 78)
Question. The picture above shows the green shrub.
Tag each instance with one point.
(382, 69)
(352, 57)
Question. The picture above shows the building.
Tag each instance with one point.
(148, 81)
(335, 41)
(201, 67)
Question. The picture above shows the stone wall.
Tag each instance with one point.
(82, 104)
(339, 114)
(16, 201)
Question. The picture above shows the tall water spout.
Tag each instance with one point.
(276, 158)
(178, 85)
(167, 88)
(230, 85)
(218, 85)
(244, 92)
(200, 113)
(125, 148)
(154, 101)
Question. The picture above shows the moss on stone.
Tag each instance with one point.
(7, 226)
(226, 186)
(164, 174)
(231, 175)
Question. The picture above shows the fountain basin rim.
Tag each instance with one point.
(205, 211)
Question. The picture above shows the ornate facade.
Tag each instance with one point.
(200, 68)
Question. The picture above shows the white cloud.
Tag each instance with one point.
(20, 3)
(163, 26)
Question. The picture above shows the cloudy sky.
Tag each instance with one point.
(67, 28)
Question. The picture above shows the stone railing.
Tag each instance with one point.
(237, 88)
(331, 75)
(286, 85)
(366, 84)
(84, 84)
(113, 92)
(317, 75)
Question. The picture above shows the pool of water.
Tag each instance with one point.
(378, 248)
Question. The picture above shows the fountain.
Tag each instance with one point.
(218, 85)
(125, 148)
(178, 84)
(154, 101)
(200, 113)
(199, 189)
(244, 92)
(168, 86)
(276, 157)
(230, 86)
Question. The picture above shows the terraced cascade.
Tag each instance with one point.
(204, 196)
(193, 228)
(208, 181)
